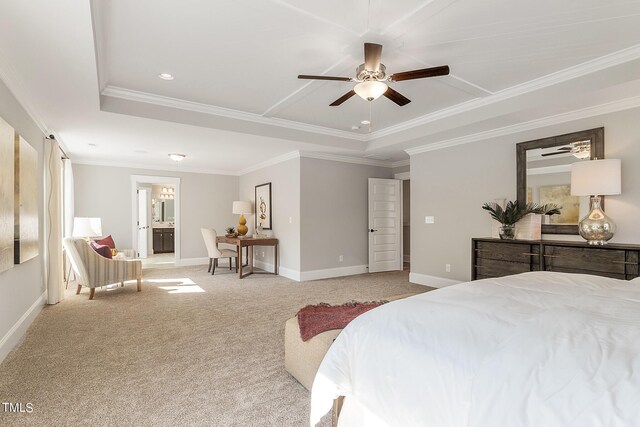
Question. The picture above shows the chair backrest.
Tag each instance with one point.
(72, 246)
(211, 241)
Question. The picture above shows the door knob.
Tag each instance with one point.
(372, 230)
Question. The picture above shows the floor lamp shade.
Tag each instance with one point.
(596, 178)
(241, 208)
(87, 227)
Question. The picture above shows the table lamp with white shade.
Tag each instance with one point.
(87, 228)
(241, 208)
(596, 178)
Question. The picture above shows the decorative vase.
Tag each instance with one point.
(508, 231)
(259, 230)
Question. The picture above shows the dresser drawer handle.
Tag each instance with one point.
(625, 262)
(530, 254)
(552, 256)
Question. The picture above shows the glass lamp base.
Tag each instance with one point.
(596, 228)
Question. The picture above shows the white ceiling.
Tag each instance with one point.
(87, 70)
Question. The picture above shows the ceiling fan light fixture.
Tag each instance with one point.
(370, 89)
(176, 157)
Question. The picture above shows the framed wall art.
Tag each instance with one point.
(263, 206)
(7, 211)
(26, 244)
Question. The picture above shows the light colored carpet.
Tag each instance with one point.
(190, 349)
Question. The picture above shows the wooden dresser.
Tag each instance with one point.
(496, 258)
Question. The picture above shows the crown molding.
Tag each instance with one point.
(583, 113)
(198, 107)
(273, 161)
(147, 167)
(345, 159)
(589, 67)
(400, 163)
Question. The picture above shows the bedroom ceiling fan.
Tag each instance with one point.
(371, 77)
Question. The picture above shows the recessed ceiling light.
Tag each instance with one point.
(177, 157)
(92, 144)
(166, 76)
(354, 127)
(365, 122)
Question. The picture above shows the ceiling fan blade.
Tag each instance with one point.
(442, 70)
(372, 56)
(342, 98)
(396, 97)
(340, 79)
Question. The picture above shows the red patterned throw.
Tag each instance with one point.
(315, 319)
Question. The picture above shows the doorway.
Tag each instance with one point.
(385, 225)
(406, 218)
(156, 219)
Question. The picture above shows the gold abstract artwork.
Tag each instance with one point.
(561, 196)
(25, 201)
(6, 195)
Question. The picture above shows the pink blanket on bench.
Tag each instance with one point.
(315, 319)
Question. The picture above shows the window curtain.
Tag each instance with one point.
(53, 222)
(68, 198)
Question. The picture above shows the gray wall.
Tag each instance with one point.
(206, 201)
(21, 285)
(406, 218)
(334, 212)
(453, 183)
(285, 204)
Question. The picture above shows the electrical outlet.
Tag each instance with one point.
(262, 254)
(429, 220)
(340, 258)
(447, 268)
(290, 220)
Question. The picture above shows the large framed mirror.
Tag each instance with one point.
(544, 175)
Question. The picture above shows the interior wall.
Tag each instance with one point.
(453, 183)
(334, 213)
(406, 219)
(206, 201)
(285, 212)
(23, 285)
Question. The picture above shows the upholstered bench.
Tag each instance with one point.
(302, 359)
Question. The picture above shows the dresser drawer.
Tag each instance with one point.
(602, 262)
(496, 259)
(514, 252)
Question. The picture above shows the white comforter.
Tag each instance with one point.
(535, 349)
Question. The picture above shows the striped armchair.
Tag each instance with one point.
(93, 270)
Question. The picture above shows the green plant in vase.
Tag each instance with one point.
(514, 212)
(230, 231)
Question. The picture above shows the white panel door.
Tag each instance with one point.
(385, 225)
(143, 224)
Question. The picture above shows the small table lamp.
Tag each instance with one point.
(596, 178)
(87, 227)
(241, 208)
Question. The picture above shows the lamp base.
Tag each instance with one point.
(242, 228)
(596, 228)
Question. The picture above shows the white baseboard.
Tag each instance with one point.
(282, 271)
(13, 336)
(433, 281)
(302, 276)
(328, 273)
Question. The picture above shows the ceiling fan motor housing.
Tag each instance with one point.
(362, 74)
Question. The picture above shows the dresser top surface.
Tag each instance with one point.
(619, 246)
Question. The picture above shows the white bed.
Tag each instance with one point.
(535, 349)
